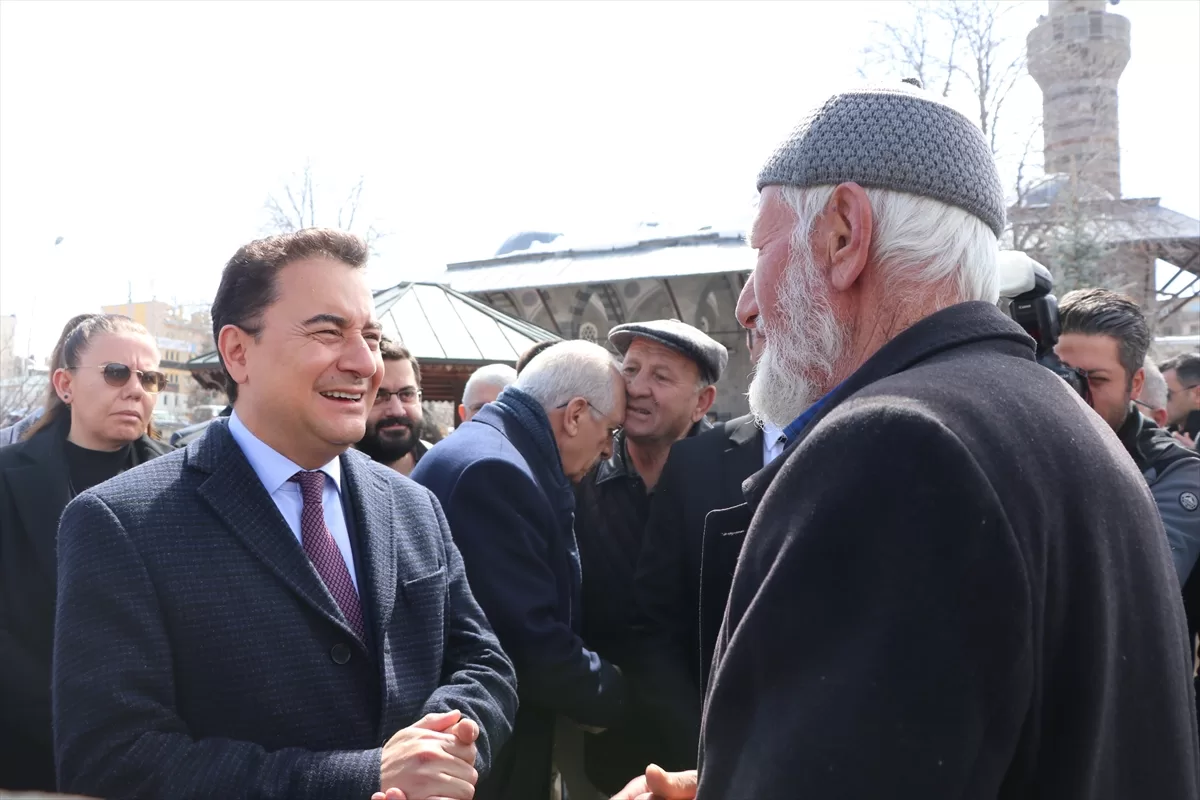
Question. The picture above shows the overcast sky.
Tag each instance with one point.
(148, 135)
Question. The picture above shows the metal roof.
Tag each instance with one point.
(704, 253)
(436, 323)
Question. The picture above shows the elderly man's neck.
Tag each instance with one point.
(649, 456)
(886, 322)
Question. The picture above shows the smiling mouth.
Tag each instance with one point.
(343, 397)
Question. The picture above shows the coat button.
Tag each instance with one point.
(340, 653)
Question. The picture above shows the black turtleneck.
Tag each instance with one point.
(90, 468)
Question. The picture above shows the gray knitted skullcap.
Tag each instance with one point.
(892, 138)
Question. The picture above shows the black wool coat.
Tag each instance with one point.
(954, 583)
(35, 487)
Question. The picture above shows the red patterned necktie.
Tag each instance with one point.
(323, 551)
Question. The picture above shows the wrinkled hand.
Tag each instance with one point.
(656, 784)
(432, 758)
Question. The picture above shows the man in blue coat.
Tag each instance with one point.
(504, 480)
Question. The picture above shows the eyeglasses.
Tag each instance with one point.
(1144, 405)
(614, 428)
(117, 375)
(408, 395)
(1182, 389)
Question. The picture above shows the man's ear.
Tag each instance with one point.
(1139, 380)
(462, 411)
(572, 415)
(704, 402)
(846, 227)
(233, 344)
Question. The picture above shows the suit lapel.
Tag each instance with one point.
(743, 457)
(40, 485)
(724, 533)
(376, 540)
(239, 499)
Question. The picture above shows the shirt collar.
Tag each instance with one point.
(273, 468)
(799, 423)
(771, 432)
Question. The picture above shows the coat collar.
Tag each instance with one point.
(619, 465)
(956, 326)
(239, 498)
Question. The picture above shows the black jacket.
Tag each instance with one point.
(510, 509)
(612, 509)
(954, 584)
(1172, 472)
(35, 487)
(703, 473)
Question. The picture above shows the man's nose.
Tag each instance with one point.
(358, 358)
(637, 385)
(747, 304)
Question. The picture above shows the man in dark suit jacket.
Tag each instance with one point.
(505, 479)
(266, 614)
(704, 473)
(954, 582)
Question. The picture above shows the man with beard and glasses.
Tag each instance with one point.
(1182, 375)
(396, 420)
(504, 480)
(953, 583)
(670, 371)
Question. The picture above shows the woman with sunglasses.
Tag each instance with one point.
(94, 426)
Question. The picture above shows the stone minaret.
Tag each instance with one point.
(1076, 55)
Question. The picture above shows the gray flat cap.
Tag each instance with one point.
(709, 354)
(892, 138)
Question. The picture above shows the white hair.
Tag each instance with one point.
(917, 241)
(1154, 390)
(569, 370)
(496, 375)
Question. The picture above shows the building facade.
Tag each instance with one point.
(581, 292)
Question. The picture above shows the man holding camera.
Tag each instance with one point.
(1104, 334)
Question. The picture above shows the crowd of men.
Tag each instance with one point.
(923, 566)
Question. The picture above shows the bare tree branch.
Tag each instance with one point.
(299, 208)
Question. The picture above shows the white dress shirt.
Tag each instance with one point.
(275, 471)
(773, 442)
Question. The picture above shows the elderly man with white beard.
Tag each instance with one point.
(953, 583)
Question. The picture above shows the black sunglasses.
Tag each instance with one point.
(117, 375)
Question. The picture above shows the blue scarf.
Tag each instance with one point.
(532, 418)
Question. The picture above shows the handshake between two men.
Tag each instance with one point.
(434, 759)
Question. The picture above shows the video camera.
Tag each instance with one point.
(1026, 284)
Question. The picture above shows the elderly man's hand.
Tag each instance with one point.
(656, 784)
(433, 757)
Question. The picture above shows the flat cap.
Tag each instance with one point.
(709, 354)
(895, 137)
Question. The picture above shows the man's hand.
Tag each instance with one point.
(656, 784)
(432, 758)
(1185, 440)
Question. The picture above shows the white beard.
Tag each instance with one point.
(802, 348)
